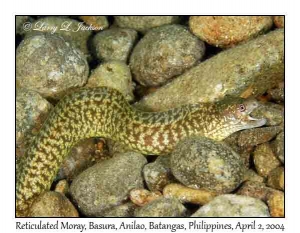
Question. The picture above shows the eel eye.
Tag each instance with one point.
(242, 107)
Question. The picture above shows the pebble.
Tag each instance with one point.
(141, 197)
(70, 29)
(50, 72)
(276, 178)
(124, 210)
(256, 136)
(62, 187)
(202, 163)
(31, 112)
(163, 53)
(256, 190)
(144, 23)
(230, 205)
(279, 21)
(188, 195)
(98, 22)
(20, 20)
(162, 207)
(228, 31)
(278, 146)
(276, 204)
(265, 160)
(52, 204)
(277, 93)
(274, 113)
(232, 72)
(114, 44)
(251, 175)
(158, 174)
(107, 184)
(114, 74)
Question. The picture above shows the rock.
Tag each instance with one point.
(98, 22)
(52, 204)
(158, 174)
(48, 71)
(141, 197)
(31, 112)
(62, 187)
(274, 113)
(265, 160)
(107, 184)
(276, 178)
(114, 44)
(124, 210)
(277, 93)
(71, 30)
(144, 23)
(276, 204)
(21, 23)
(256, 136)
(162, 207)
(278, 146)
(251, 175)
(114, 74)
(279, 21)
(230, 205)
(164, 53)
(115, 147)
(202, 163)
(188, 195)
(253, 67)
(228, 31)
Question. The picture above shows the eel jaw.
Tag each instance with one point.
(254, 122)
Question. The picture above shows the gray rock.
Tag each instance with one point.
(158, 174)
(144, 23)
(50, 65)
(125, 210)
(107, 184)
(278, 146)
(245, 70)
(114, 44)
(202, 163)
(231, 205)
(163, 53)
(162, 207)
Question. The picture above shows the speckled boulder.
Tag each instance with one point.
(124, 210)
(52, 204)
(231, 205)
(144, 23)
(278, 146)
(98, 22)
(114, 74)
(114, 44)
(163, 53)
(107, 184)
(202, 163)
(50, 65)
(158, 174)
(162, 207)
(227, 31)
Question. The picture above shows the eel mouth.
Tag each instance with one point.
(255, 122)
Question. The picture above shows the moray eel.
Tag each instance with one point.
(104, 112)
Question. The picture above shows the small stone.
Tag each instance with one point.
(162, 207)
(202, 163)
(50, 72)
(52, 204)
(279, 21)
(188, 195)
(276, 178)
(98, 22)
(277, 93)
(230, 205)
(107, 184)
(62, 187)
(164, 53)
(265, 160)
(31, 112)
(144, 23)
(142, 197)
(274, 113)
(256, 136)
(124, 210)
(158, 174)
(278, 146)
(114, 74)
(20, 20)
(114, 44)
(251, 175)
(276, 204)
(115, 147)
(255, 189)
(228, 31)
